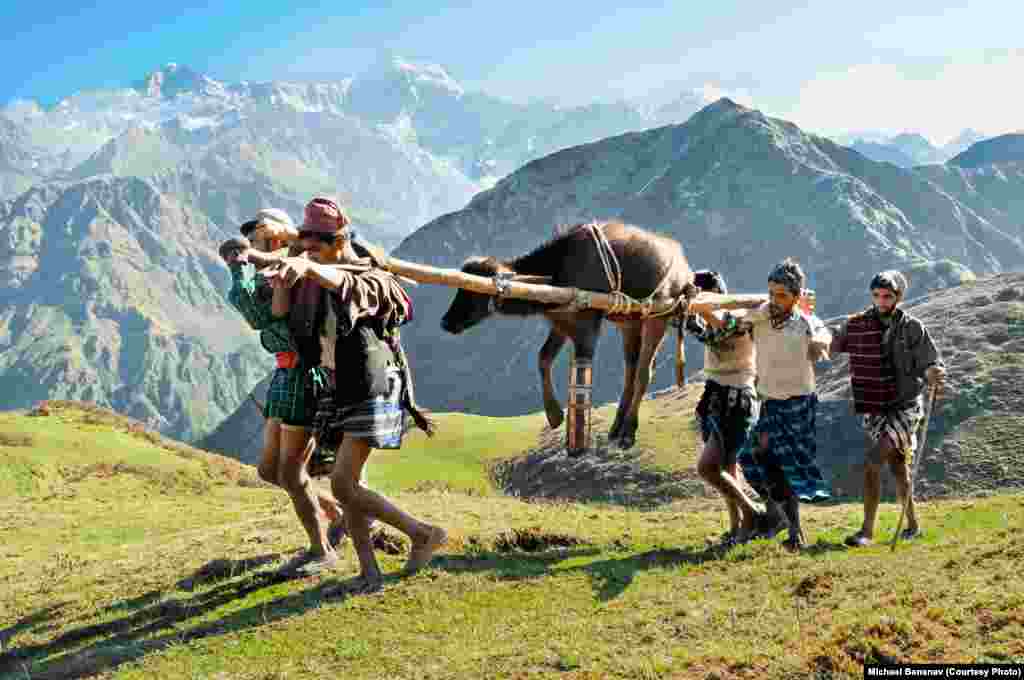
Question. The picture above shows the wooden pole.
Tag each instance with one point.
(544, 293)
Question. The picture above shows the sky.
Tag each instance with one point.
(932, 67)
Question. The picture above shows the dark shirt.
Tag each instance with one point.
(908, 348)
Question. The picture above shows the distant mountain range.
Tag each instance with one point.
(112, 203)
(908, 149)
(453, 141)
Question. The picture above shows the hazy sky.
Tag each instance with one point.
(935, 67)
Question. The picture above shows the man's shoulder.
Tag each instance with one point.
(910, 324)
(758, 314)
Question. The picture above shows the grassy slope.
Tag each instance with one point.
(152, 568)
(456, 458)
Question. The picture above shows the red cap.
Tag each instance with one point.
(324, 216)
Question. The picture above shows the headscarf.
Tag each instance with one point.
(323, 216)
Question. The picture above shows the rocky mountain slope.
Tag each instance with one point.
(1002, 149)
(112, 292)
(977, 425)
(18, 165)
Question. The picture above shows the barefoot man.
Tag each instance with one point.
(892, 359)
(728, 407)
(347, 323)
(290, 404)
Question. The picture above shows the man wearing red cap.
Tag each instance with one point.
(290, 403)
(345, 322)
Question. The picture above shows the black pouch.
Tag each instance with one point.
(363, 363)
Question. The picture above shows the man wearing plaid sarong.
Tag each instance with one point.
(892, 358)
(778, 460)
(290, 403)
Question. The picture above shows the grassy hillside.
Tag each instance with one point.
(126, 555)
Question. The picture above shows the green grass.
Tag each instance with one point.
(457, 457)
(124, 574)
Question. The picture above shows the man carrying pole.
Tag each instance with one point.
(729, 406)
(290, 404)
(892, 358)
(778, 460)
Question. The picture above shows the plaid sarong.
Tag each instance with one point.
(290, 396)
(788, 465)
(728, 413)
(899, 425)
(380, 420)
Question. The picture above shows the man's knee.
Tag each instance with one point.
(709, 471)
(294, 480)
(344, 488)
(898, 468)
(268, 473)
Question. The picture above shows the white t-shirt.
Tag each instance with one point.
(784, 365)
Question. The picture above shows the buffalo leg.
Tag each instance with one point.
(631, 337)
(653, 334)
(548, 352)
(585, 335)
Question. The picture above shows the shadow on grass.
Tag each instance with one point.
(610, 577)
(30, 622)
(152, 621)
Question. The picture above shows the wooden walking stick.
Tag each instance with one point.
(916, 463)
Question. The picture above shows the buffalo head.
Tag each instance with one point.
(468, 308)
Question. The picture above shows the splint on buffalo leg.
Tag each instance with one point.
(577, 428)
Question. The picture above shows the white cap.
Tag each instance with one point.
(274, 216)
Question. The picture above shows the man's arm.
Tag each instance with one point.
(745, 317)
(250, 295)
(927, 359)
(281, 302)
(820, 340)
(839, 339)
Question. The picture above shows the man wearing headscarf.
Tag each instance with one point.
(345, 320)
(892, 359)
(778, 460)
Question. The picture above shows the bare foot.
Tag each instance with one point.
(422, 550)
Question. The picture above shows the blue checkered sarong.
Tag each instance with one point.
(788, 466)
(379, 420)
